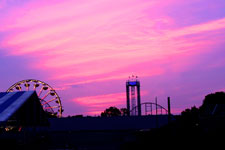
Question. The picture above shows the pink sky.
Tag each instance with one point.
(86, 49)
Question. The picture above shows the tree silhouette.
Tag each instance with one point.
(214, 98)
(213, 103)
(110, 112)
(124, 111)
(190, 116)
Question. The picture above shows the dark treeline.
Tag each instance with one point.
(195, 127)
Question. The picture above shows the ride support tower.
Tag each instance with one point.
(133, 94)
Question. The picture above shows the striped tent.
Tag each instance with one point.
(22, 108)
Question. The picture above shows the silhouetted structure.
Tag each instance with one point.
(133, 93)
(21, 109)
(149, 108)
(169, 110)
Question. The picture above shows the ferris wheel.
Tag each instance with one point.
(48, 97)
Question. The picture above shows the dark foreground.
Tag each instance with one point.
(180, 134)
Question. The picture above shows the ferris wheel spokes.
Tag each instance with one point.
(49, 101)
(45, 96)
(51, 107)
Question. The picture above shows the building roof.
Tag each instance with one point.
(11, 102)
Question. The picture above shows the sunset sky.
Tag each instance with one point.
(87, 49)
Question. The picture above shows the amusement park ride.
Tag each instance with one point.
(48, 97)
(138, 108)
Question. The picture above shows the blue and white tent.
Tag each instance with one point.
(23, 106)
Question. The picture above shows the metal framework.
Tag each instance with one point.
(48, 97)
(150, 108)
(133, 93)
(133, 99)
